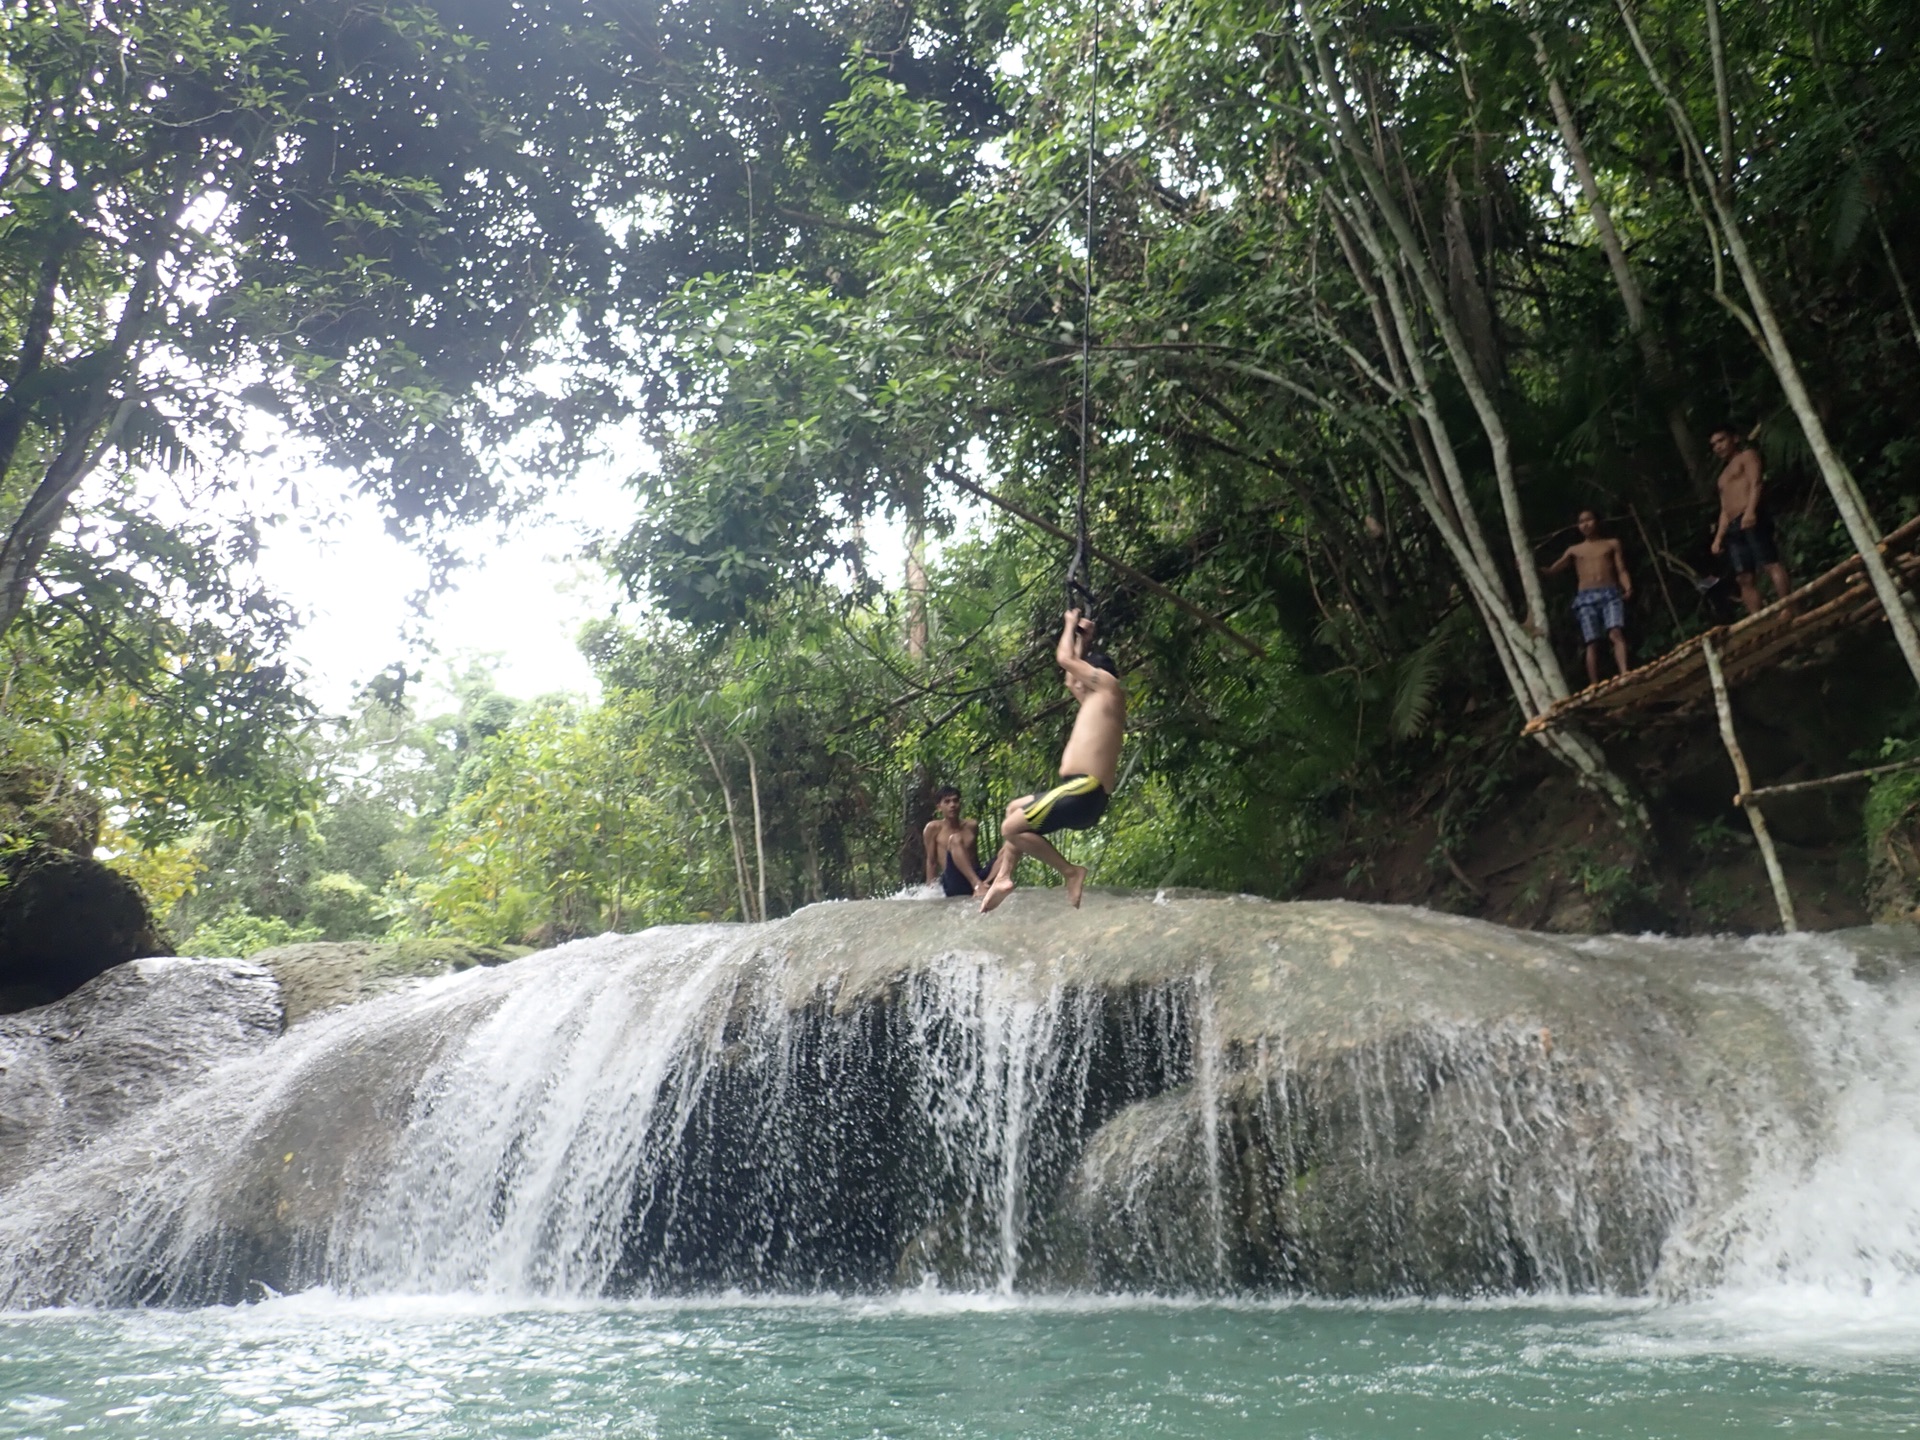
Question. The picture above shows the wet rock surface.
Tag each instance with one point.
(323, 975)
(136, 1036)
(1182, 1095)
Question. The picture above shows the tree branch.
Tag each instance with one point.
(1145, 582)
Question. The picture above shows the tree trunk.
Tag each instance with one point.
(33, 348)
(1652, 352)
(1346, 136)
(917, 585)
(916, 804)
(733, 827)
(84, 445)
(33, 530)
(1380, 256)
(759, 837)
(1764, 324)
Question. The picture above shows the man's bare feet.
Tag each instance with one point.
(1076, 878)
(997, 890)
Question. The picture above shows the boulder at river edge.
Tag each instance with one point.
(65, 918)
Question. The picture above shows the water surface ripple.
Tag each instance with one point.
(932, 1365)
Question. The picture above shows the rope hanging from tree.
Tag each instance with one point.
(1080, 593)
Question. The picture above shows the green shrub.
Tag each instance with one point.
(237, 931)
(344, 908)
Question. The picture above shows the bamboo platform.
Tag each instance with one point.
(1841, 599)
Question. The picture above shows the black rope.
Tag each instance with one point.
(1080, 594)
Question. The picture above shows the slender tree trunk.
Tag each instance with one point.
(759, 838)
(1764, 324)
(916, 804)
(1899, 279)
(810, 839)
(1722, 99)
(1347, 136)
(33, 349)
(733, 827)
(1521, 642)
(33, 530)
(917, 585)
(1652, 352)
(82, 448)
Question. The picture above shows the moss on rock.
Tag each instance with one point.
(322, 974)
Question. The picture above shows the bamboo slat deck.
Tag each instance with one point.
(1840, 599)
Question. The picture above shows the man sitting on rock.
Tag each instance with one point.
(952, 845)
(1600, 603)
(1089, 769)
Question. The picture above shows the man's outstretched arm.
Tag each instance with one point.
(929, 839)
(1069, 653)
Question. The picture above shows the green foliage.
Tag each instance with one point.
(834, 258)
(148, 678)
(341, 907)
(555, 832)
(237, 931)
(383, 780)
(1892, 800)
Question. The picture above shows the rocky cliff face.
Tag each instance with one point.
(1189, 1095)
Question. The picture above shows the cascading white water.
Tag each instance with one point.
(1835, 1206)
(1169, 1097)
(514, 1158)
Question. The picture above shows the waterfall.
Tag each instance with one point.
(1195, 1096)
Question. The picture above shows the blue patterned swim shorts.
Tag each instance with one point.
(1600, 609)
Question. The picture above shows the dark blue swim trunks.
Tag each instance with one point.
(1749, 549)
(953, 881)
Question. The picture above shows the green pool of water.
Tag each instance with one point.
(927, 1365)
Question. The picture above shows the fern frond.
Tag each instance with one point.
(1416, 686)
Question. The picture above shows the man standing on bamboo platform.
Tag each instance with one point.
(1089, 770)
(1600, 604)
(1744, 532)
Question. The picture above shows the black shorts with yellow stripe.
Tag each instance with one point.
(1076, 803)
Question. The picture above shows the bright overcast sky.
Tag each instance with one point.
(518, 603)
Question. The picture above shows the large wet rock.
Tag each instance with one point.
(120, 1045)
(1208, 1095)
(1380, 1100)
(65, 918)
(322, 975)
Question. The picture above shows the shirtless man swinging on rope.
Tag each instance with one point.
(1089, 769)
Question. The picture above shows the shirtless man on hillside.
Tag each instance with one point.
(1744, 531)
(952, 843)
(1089, 769)
(1600, 603)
